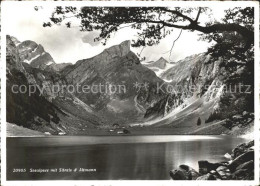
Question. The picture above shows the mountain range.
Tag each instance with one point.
(157, 97)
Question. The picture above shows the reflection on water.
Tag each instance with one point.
(113, 157)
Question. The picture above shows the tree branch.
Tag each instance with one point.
(232, 27)
(161, 22)
(246, 33)
(104, 17)
(126, 26)
(177, 13)
(197, 18)
(173, 44)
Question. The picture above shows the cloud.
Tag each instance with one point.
(71, 45)
(89, 38)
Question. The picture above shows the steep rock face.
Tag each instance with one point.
(41, 75)
(43, 110)
(23, 109)
(196, 75)
(57, 67)
(12, 55)
(120, 67)
(13, 61)
(102, 64)
(34, 54)
(164, 106)
(46, 81)
(206, 92)
(15, 41)
(160, 63)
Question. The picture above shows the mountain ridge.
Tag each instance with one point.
(68, 112)
(115, 65)
(160, 63)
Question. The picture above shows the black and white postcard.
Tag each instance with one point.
(154, 92)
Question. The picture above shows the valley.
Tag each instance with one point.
(157, 97)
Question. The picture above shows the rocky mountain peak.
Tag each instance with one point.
(162, 59)
(119, 50)
(12, 54)
(32, 53)
(110, 59)
(14, 40)
(160, 63)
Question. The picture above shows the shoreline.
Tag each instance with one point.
(14, 130)
(239, 166)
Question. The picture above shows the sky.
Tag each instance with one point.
(70, 44)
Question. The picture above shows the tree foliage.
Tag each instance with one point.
(153, 23)
(199, 122)
(237, 53)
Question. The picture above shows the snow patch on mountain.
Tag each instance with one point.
(49, 63)
(159, 71)
(32, 59)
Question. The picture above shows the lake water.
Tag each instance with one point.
(111, 157)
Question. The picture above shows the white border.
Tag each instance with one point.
(3, 97)
(128, 3)
(257, 89)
